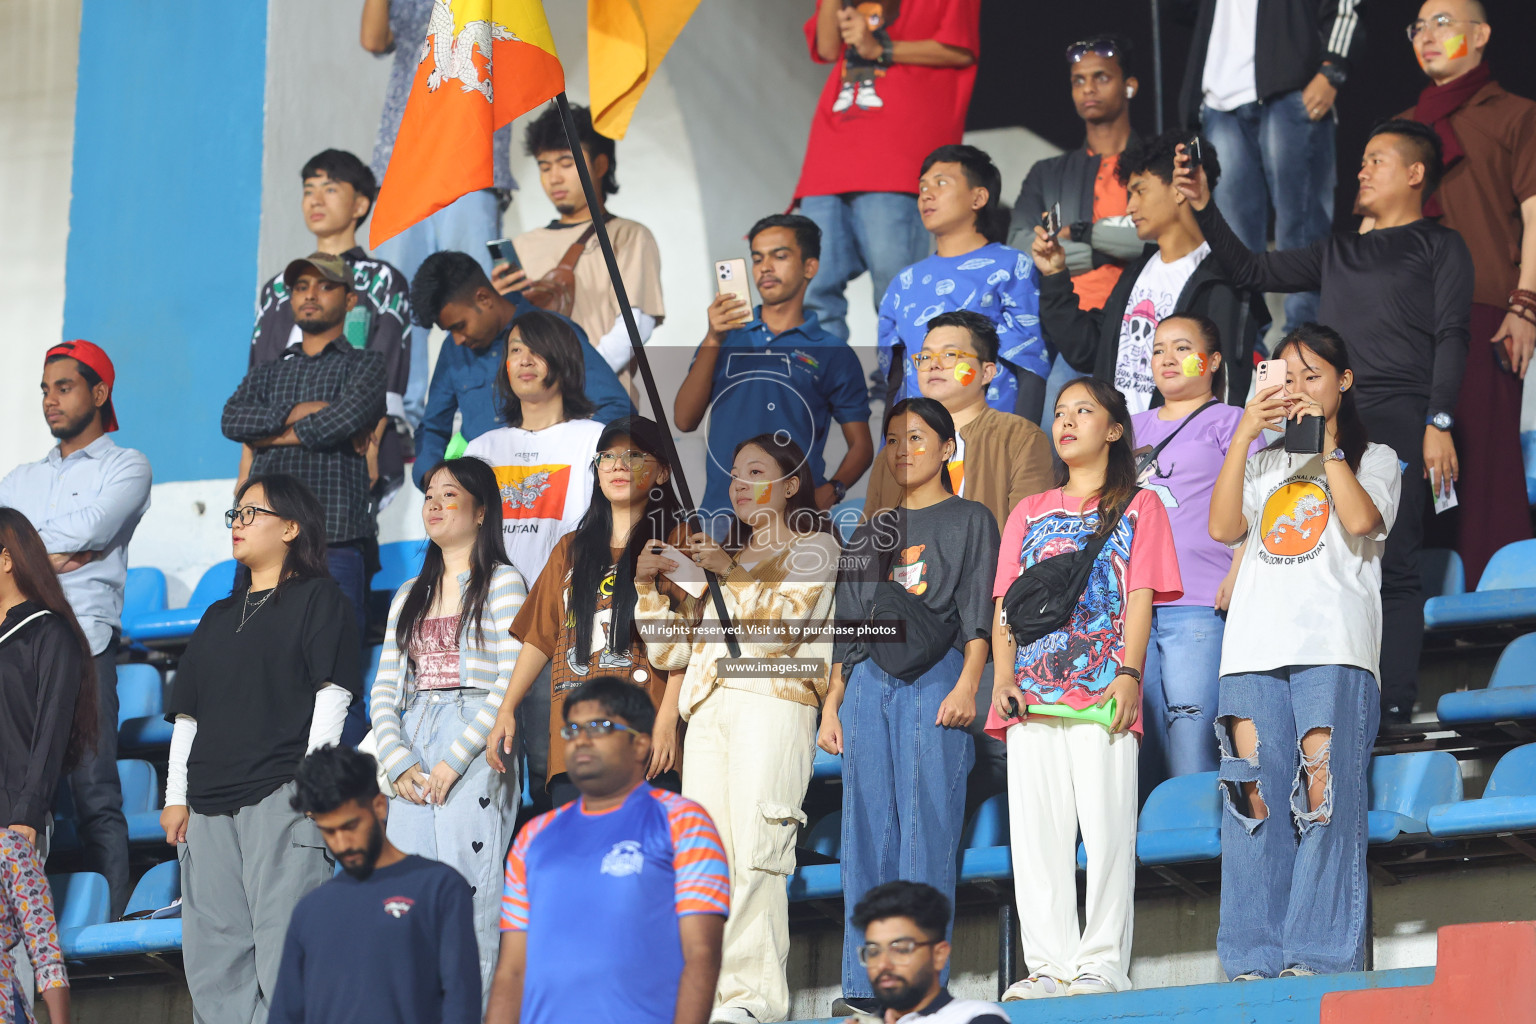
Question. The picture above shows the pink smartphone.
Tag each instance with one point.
(1268, 374)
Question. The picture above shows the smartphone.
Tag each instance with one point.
(502, 252)
(1053, 221)
(1193, 148)
(1268, 374)
(731, 279)
(1304, 436)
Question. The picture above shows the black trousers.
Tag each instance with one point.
(99, 794)
(1397, 421)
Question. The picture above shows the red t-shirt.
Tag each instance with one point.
(892, 117)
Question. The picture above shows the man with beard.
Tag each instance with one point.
(85, 498)
(906, 954)
(615, 903)
(312, 414)
(392, 939)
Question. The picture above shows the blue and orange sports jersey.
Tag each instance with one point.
(600, 896)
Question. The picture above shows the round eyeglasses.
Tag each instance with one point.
(944, 360)
(246, 515)
(1437, 26)
(595, 728)
(631, 460)
(897, 949)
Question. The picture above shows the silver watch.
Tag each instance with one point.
(1336, 455)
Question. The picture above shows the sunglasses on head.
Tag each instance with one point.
(1101, 46)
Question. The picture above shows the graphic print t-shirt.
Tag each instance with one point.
(1308, 591)
(600, 896)
(546, 484)
(1153, 297)
(1183, 476)
(1000, 283)
(1075, 664)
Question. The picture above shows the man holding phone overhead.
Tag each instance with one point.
(1401, 295)
(779, 368)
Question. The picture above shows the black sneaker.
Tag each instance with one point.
(844, 1007)
(1396, 714)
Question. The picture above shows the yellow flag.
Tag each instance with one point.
(626, 40)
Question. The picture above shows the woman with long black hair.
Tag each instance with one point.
(579, 618)
(47, 681)
(1300, 694)
(267, 676)
(447, 658)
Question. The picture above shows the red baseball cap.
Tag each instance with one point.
(90, 355)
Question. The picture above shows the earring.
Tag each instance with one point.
(1129, 92)
(1342, 388)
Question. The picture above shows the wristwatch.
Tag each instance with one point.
(1439, 420)
(839, 489)
(887, 49)
(1337, 455)
(1336, 75)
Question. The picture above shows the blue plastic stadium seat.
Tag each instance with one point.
(176, 624)
(826, 766)
(1441, 572)
(1181, 822)
(143, 594)
(159, 887)
(141, 801)
(398, 561)
(1510, 695)
(1506, 593)
(141, 708)
(820, 881)
(1508, 803)
(846, 515)
(80, 899)
(984, 852)
(1403, 789)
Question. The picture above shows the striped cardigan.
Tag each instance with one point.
(483, 664)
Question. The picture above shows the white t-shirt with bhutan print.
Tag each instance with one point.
(545, 478)
(1308, 591)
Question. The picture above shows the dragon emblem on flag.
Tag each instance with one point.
(452, 50)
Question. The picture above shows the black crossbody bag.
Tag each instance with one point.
(928, 635)
(1043, 598)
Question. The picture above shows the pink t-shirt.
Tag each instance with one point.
(1075, 664)
(1183, 476)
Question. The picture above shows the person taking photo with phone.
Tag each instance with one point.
(1181, 446)
(1402, 294)
(1068, 701)
(752, 734)
(448, 655)
(899, 713)
(1299, 702)
(783, 371)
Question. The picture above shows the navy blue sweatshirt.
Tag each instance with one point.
(398, 948)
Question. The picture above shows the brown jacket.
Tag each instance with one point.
(1007, 458)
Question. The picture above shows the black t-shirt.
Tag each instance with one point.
(252, 690)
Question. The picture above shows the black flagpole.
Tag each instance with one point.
(606, 244)
(1157, 66)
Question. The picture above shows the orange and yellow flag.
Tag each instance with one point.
(626, 40)
(483, 63)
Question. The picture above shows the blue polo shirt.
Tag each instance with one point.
(464, 382)
(799, 381)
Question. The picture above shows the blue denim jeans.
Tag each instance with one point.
(1293, 885)
(471, 830)
(1273, 156)
(464, 225)
(1180, 684)
(903, 791)
(880, 232)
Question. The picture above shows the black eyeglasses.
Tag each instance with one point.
(899, 949)
(246, 515)
(1101, 46)
(595, 728)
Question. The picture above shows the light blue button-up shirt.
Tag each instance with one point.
(91, 500)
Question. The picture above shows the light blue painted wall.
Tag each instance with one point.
(165, 214)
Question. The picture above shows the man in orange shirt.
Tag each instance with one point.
(1096, 234)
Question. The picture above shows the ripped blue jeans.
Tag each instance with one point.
(1293, 878)
(1179, 689)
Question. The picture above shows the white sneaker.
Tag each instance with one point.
(1036, 986)
(844, 99)
(1251, 976)
(867, 98)
(1089, 985)
(1298, 972)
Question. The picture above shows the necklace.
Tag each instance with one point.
(247, 611)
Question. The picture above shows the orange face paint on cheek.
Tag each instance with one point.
(452, 506)
(1193, 365)
(1456, 47)
(964, 373)
(762, 492)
